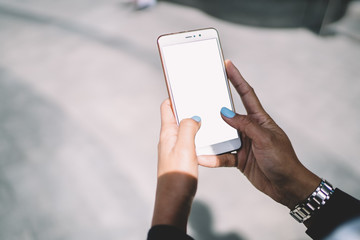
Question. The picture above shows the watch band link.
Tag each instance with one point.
(303, 211)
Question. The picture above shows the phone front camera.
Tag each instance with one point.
(199, 35)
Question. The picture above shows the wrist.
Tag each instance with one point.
(300, 187)
(174, 195)
(306, 209)
(168, 212)
(176, 186)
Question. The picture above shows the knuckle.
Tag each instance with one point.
(251, 89)
(167, 134)
(246, 121)
(181, 153)
(242, 123)
(267, 140)
(247, 89)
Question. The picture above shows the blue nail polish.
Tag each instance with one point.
(196, 118)
(227, 112)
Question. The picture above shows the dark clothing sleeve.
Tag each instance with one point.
(160, 232)
(340, 208)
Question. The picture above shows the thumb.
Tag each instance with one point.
(244, 124)
(187, 131)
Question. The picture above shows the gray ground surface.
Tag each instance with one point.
(80, 89)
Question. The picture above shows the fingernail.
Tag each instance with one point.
(227, 112)
(196, 118)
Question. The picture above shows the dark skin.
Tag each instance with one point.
(266, 158)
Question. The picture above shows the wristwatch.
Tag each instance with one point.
(303, 211)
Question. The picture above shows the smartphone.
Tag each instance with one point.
(197, 84)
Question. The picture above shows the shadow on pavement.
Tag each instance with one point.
(57, 181)
(201, 222)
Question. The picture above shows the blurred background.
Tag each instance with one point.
(80, 88)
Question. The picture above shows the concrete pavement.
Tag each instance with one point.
(80, 89)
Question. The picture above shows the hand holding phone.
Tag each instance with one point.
(177, 169)
(197, 84)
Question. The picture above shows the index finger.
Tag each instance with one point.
(167, 115)
(169, 126)
(250, 100)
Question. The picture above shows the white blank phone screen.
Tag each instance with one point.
(198, 85)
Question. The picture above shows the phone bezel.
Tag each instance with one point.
(188, 37)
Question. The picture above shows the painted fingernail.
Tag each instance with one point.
(227, 112)
(196, 118)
